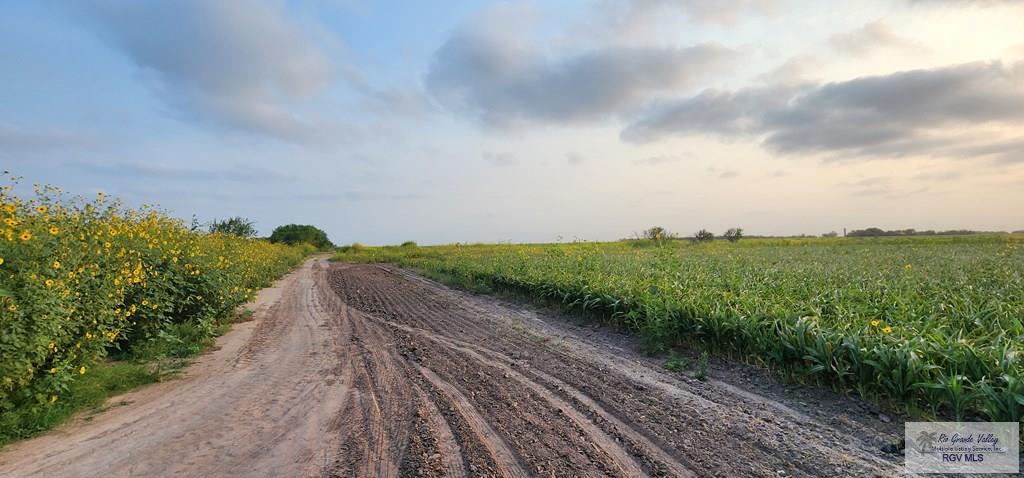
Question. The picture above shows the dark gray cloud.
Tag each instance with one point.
(906, 113)
(240, 64)
(493, 74)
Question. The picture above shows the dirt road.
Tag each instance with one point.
(362, 370)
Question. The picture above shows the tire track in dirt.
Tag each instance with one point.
(632, 419)
(448, 452)
(504, 459)
(625, 464)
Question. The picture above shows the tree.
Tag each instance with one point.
(301, 233)
(830, 234)
(658, 234)
(703, 235)
(237, 226)
(733, 234)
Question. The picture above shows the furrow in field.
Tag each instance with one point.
(506, 461)
(638, 417)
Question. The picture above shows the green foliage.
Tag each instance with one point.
(299, 234)
(409, 244)
(352, 248)
(932, 322)
(703, 235)
(80, 280)
(733, 234)
(235, 226)
(90, 391)
(702, 366)
(677, 364)
(657, 234)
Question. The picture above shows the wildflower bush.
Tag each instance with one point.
(80, 278)
(934, 323)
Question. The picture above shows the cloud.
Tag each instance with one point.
(723, 173)
(575, 158)
(980, 3)
(938, 176)
(488, 70)
(881, 186)
(656, 160)
(794, 69)
(500, 159)
(871, 37)
(406, 101)
(236, 173)
(935, 112)
(245, 65)
(17, 140)
(719, 11)
(272, 196)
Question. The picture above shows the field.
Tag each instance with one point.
(81, 280)
(933, 324)
(351, 367)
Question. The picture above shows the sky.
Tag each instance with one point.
(525, 121)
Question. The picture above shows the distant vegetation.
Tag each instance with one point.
(733, 234)
(876, 232)
(657, 234)
(235, 226)
(930, 322)
(354, 247)
(301, 234)
(703, 235)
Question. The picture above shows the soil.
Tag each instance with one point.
(368, 370)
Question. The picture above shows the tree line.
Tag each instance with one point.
(287, 234)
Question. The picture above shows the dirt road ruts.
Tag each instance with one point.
(364, 370)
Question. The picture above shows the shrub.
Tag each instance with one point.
(354, 247)
(409, 244)
(80, 278)
(657, 234)
(733, 234)
(299, 233)
(703, 235)
(236, 226)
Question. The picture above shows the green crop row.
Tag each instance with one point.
(933, 323)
